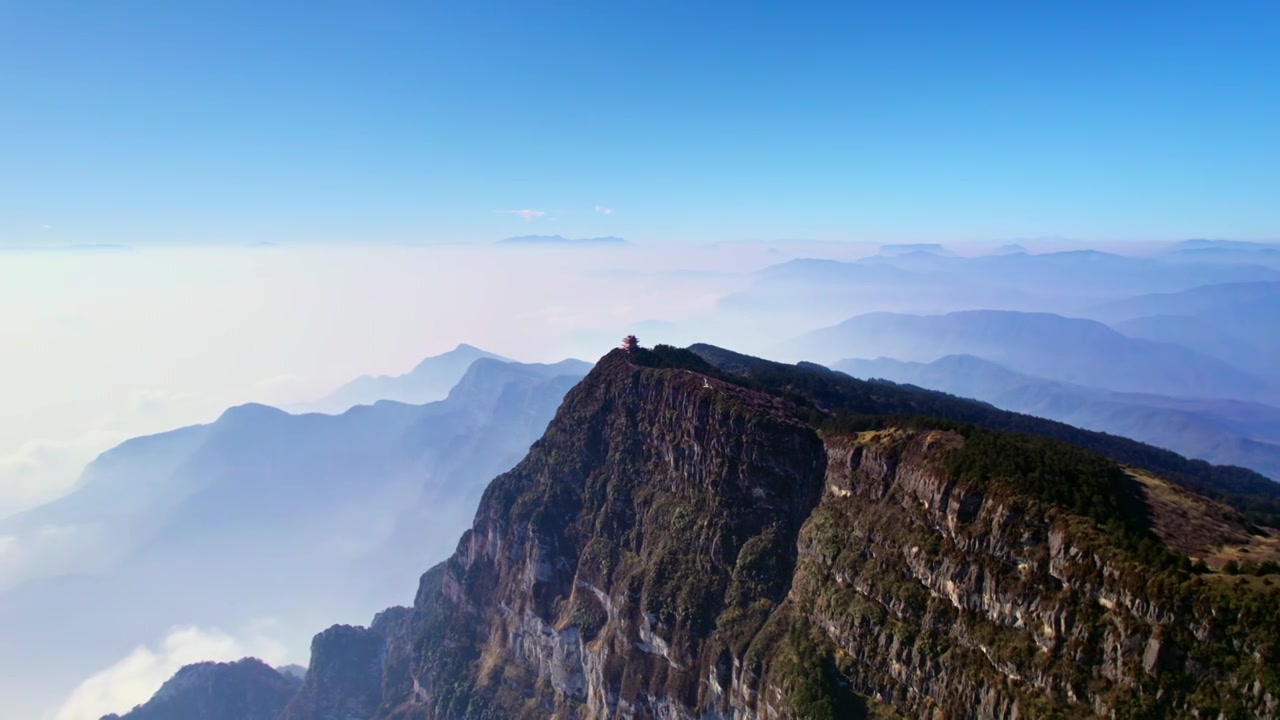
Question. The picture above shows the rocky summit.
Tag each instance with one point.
(245, 690)
(705, 536)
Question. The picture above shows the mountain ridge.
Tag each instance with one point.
(247, 689)
(825, 292)
(1233, 322)
(705, 534)
(1205, 429)
(327, 517)
(1048, 345)
(429, 380)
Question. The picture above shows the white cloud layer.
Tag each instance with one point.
(604, 210)
(136, 677)
(103, 347)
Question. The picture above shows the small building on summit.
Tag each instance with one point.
(630, 343)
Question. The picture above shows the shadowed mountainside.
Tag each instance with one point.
(244, 690)
(705, 534)
(308, 519)
(1224, 432)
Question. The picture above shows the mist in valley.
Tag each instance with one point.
(274, 440)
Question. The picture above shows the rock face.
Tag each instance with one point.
(344, 681)
(327, 518)
(673, 550)
(632, 554)
(244, 690)
(761, 542)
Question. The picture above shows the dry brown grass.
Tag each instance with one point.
(885, 436)
(1262, 548)
(1201, 528)
(1264, 584)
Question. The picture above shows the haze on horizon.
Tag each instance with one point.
(108, 345)
(209, 204)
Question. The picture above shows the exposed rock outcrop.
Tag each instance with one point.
(247, 689)
(344, 679)
(687, 544)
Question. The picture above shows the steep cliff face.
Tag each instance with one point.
(753, 542)
(681, 546)
(631, 555)
(244, 690)
(344, 679)
(948, 596)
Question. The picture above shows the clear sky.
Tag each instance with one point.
(126, 121)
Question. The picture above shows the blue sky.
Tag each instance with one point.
(130, 121)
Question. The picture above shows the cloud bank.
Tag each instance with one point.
(109, 346)
(136, 677)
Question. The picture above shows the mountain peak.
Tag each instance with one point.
(246, 689)
(251, 412)
(699, 533)
(428, 381)
(1010, 249)
(345, 671)
(463, 352)
(914, 249)
(679, 522)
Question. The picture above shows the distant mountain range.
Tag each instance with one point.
(427, 382)
(1085, 272)
(1225, 251)
(1206, 301)
(903, 249)
(1224, 432)
(561, 240)
(827, 291)
(703, 534)
(1234, 322)
(1072, 350)
(1010, 249)
(307, 518)
(331, 512)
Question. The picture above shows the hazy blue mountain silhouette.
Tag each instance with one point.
(428, 381)
(1225, 251)
(925, 282)
(907, 248)
(309, 519)
(1044, 345)
(1223, 432)
(1234, 322)
(1010, 249)
(1087, 272)
(1204, 301)
(827, 291)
